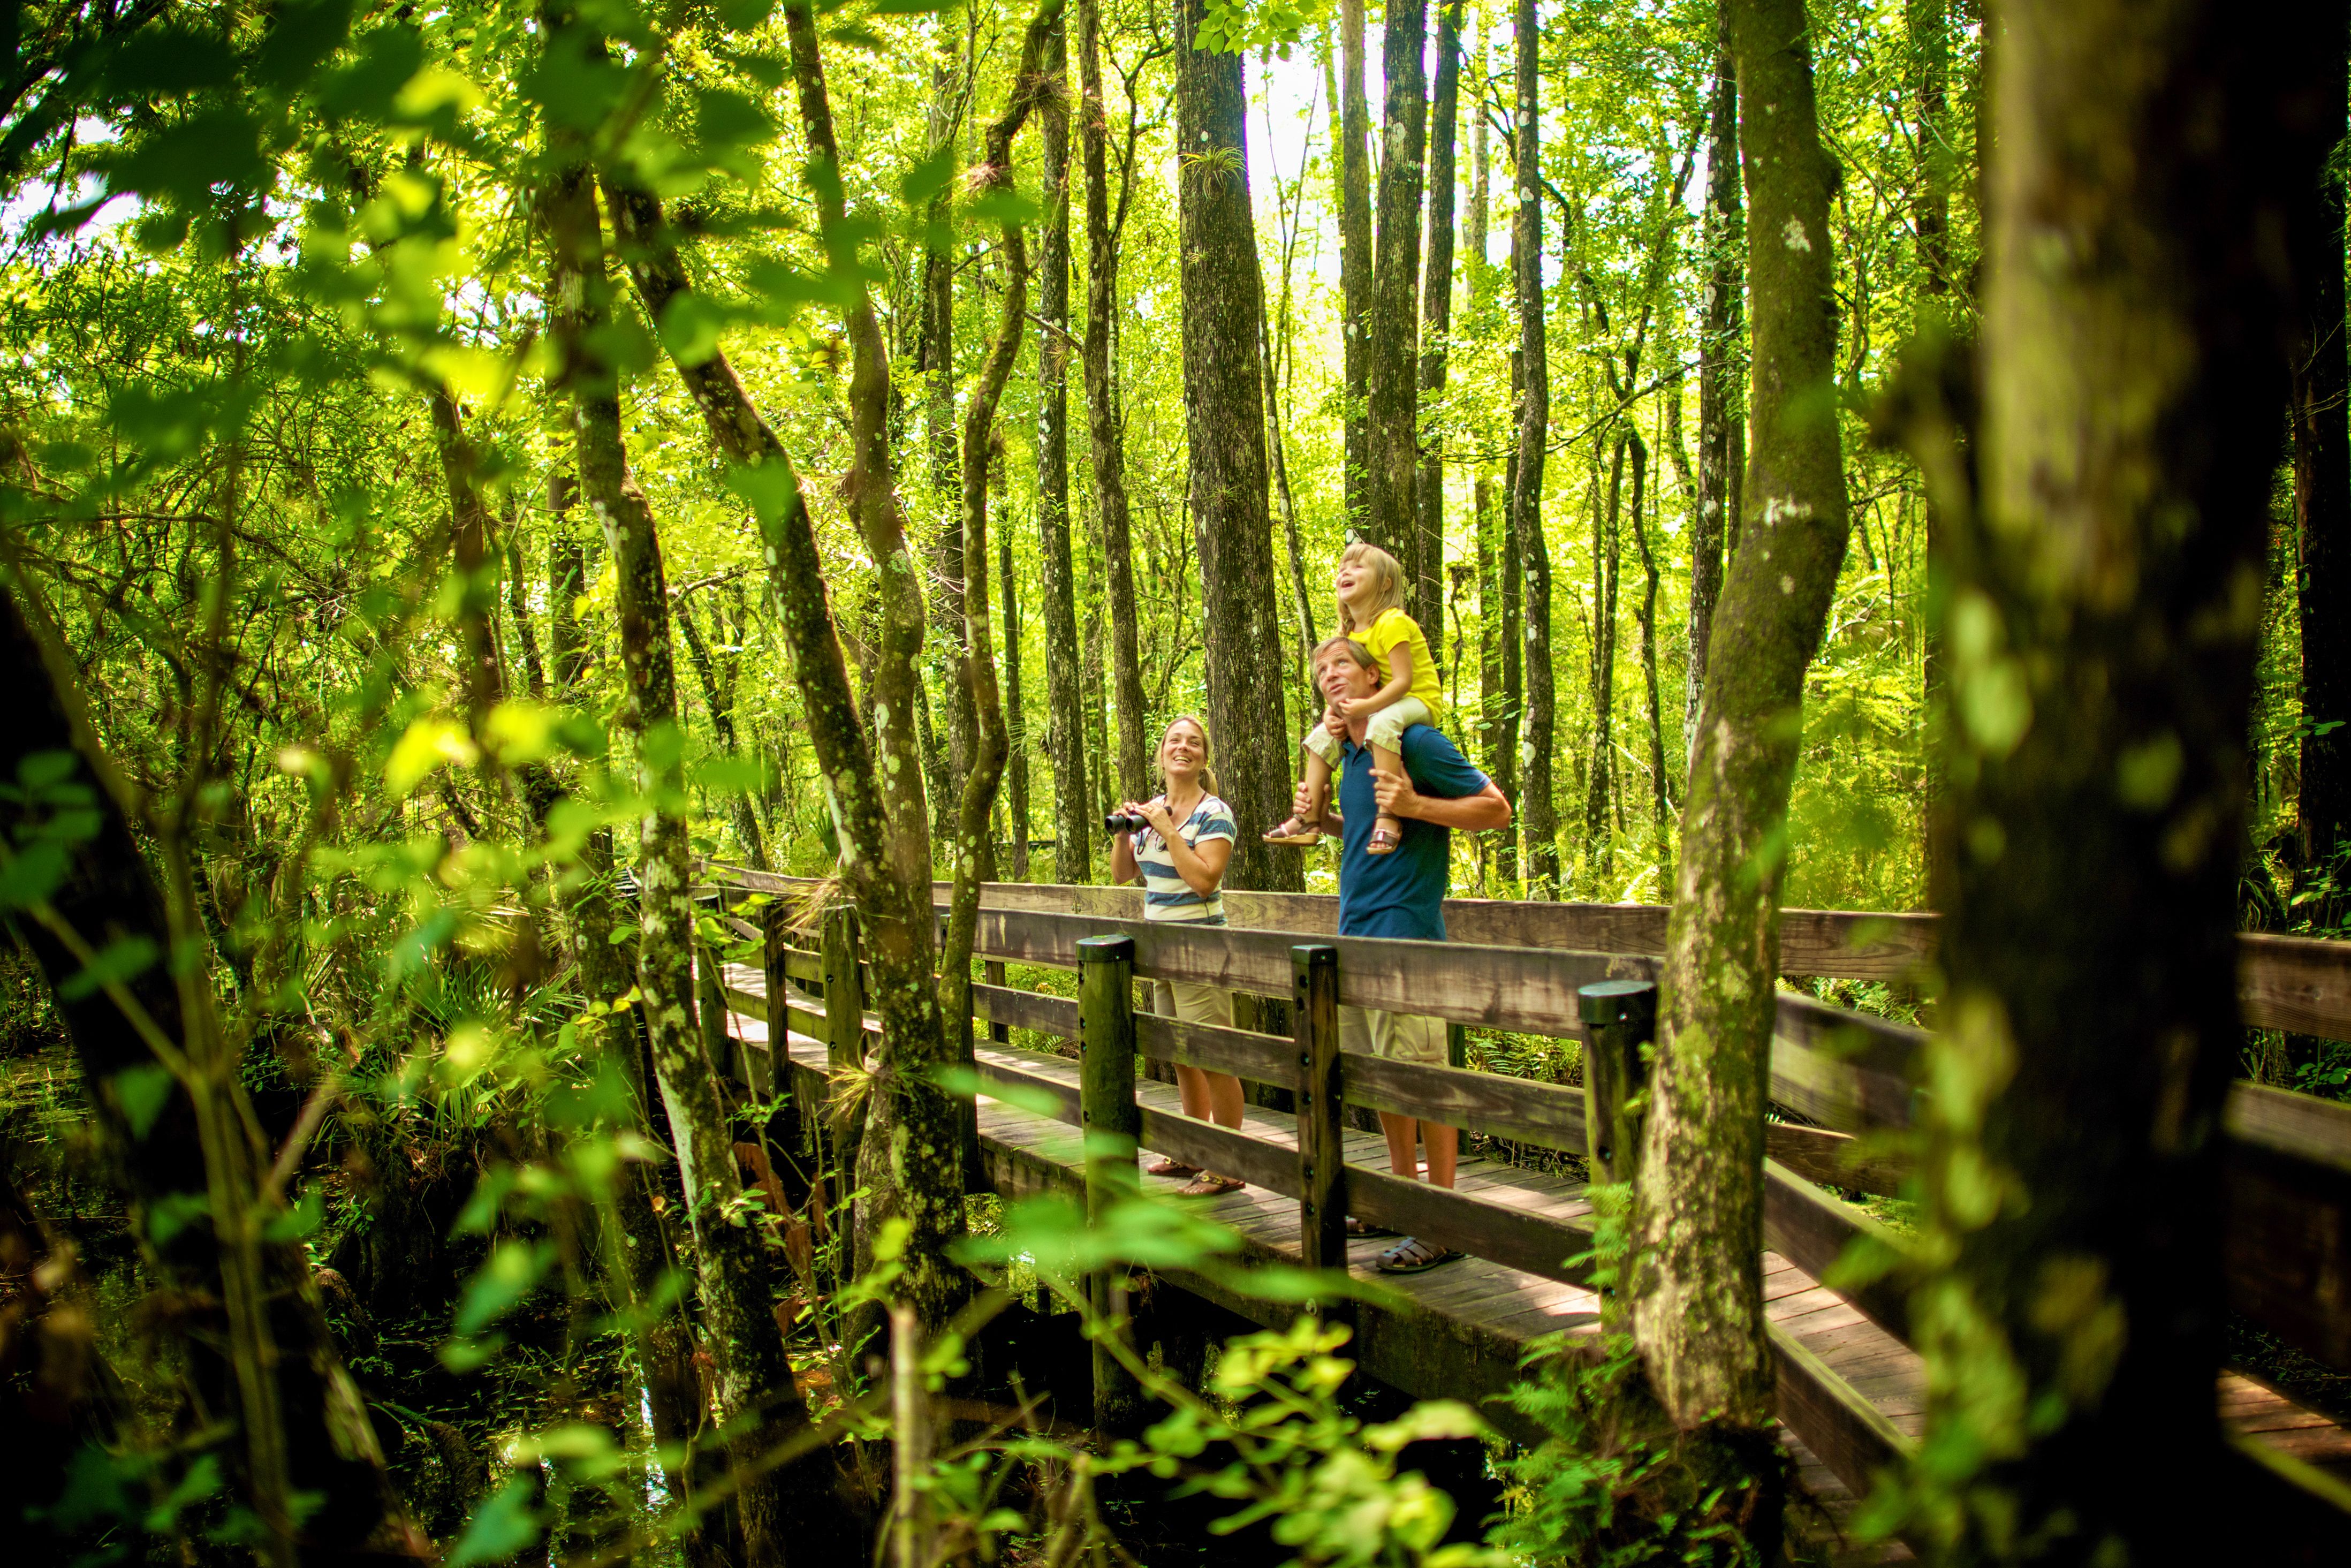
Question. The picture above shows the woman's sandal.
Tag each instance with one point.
(1414, 1256)
(1169, 1167)
(1210, 1184)
(1384, 841)
(1295, 831)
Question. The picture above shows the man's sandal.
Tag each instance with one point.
(1414, 1256)
(1295, 831)
(1210, 1184)
(1169, 1167)
(1384, 841)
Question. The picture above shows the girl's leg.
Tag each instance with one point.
(1224, 1098)
(1197, 1088)
(1390, 760)
(1306, 830)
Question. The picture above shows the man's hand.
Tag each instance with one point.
(1397, 796)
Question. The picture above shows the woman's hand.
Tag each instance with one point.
(1154, 812)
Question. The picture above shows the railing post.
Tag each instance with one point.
(1620, 1017)
(844, 991)
(1321, 1145)
(710, 1005)
(1106, 1110)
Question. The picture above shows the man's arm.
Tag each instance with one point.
(1472, 813)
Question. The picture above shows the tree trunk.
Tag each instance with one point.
(1697, 1302)
(1436, 319)
(1608, 549)
(1108, 441)
(1394, 391)
(943, 766)
(1723, 290)
(753, 1387)
(1475, 222)
(719, 698)
(1927, 25)
(1355, 262)
(1225, 424)
(1016, 720)
(1065, 736)
(1539, 858)
(2321, 511)
(1646, 616)
(2150, 196)
(260, 1355)
(1302, 601)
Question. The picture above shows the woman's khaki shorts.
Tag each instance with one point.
(1399, 1037)
(1385, 730)
(1189, 1001)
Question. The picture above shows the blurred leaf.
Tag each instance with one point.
(300, 39)
(119, 960)
(427, 743)
(142, 1092)
(512, 1272)
(501, 1527)
(158, 61)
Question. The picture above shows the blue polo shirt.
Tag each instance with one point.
(1401, 893)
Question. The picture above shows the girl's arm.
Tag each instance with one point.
(1396, 690)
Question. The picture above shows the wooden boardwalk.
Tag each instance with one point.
(1852, 1392)
(1462, 1327)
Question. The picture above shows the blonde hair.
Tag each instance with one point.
(1207, 750)
(1387, 584)
(1342, 643)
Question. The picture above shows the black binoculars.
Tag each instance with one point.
(1125, 822)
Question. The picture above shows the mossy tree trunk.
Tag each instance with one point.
(1721, 419)
(1355, 261)
(1392, 519)
(1538, 811)
(1698, 1301)
(2149, 197)
(1436, 316)
(1224, 416)
(1065, 733)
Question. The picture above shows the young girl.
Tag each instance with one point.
(1371, 612)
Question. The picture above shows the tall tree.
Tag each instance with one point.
(1224, 420)
(1607, 554)
(1721, 416)
(1016, 720)
(1107, 440)
(1394, 328)
(2322, 512)
(754, 1392)
(2150, 195)
(1355, 261)
(1436, 315)
(1927, 26)
(1698, 1301)
(1065, 738)
(1539, 858)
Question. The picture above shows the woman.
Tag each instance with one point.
(1181, 859)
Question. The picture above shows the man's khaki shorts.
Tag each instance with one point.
(1399, 1037)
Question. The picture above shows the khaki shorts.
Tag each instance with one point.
(1189, 1001)
(1399, 1037)
(1385, 730)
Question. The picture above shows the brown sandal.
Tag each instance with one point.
(1384, 841)
(1210, 1184)
(1170, 1167)
(1295, 831)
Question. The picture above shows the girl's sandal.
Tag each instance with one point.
(1171, 1167)
(1414, 1256)
(1385, 840)
(1360, 1228)
(1294, 832)
(1210, 1184)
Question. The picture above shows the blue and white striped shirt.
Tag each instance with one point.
(1165, 894)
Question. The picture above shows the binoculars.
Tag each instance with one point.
(1125, 822)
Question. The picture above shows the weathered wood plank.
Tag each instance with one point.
(1027, 1009)
(2301, 1126)
(1849, 1434)
(2286, 1244)
(1532, 1242)
(1259, 1058)
(1834, 1159)
(1222, 1150)
(1811, 1230)
(1548, 1115)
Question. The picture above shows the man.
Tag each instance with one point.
(1397, 895)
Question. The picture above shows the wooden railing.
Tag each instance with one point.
(2287, 1250)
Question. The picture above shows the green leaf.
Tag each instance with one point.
(929, 177)
(42, 769)
(141, 1093)
(309, 1211)
(742, 15)
(119, 960)
(33, 874)
(690, 325)
(513, 1273)
(157, 61)
(300, 39)
(501, 1527)
(366, 89)
(725, 118)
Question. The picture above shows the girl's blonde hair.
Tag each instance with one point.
(1386, 591)
(1207, 750)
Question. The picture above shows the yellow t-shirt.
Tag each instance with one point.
(1391, 629)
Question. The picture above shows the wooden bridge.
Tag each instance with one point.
(1852, 1392)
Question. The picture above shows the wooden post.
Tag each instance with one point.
(844, 991)
(710, 1009)
(1106, 1110)
(1620, 1017)
(1322, 1146)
